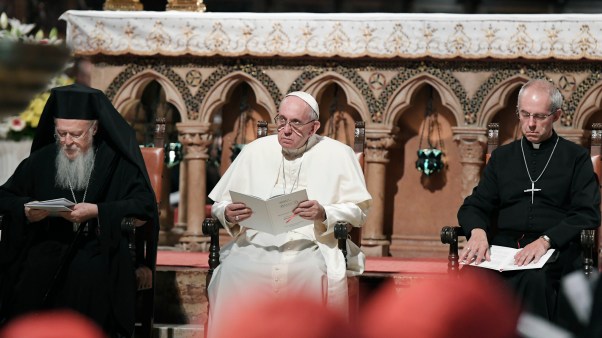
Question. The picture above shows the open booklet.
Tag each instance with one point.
(502, 259)
(59, 204)
(274, 215)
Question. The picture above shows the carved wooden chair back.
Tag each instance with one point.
(144, 245)
(594, 235)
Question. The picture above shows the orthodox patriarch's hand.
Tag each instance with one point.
(35, 215)
(311, 210)
(476, 249)
(81, 212)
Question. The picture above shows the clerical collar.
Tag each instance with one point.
(291, 154)
(547, 144)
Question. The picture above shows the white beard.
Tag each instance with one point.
(76, 171)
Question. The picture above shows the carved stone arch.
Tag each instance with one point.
(354, 96)
(349, 76)
(590, 103)
(218, 94)
(131, 90)
(497, 98)
(402, 97)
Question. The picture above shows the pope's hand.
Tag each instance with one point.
(35, 215)
(311, 210)
(476, 249)
(237, 212)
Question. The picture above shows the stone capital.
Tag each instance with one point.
(378, 144)
(472, 144)
(196, 138)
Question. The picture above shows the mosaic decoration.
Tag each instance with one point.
(442, 70)
(348, 73)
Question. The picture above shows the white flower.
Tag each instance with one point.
(17, 124)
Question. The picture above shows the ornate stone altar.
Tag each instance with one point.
(370, 67)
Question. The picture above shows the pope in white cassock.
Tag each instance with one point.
(305, 260)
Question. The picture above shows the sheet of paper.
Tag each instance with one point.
(502, 259)
(59, 204)
(275, 215)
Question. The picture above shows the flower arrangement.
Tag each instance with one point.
(23, 125)
(15, 31)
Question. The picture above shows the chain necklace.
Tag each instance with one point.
(76, 225)
(296, 182)
(533, 189)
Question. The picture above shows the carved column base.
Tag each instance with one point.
(194, 243)
(170, 237)
(375, 247)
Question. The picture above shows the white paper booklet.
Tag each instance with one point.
(502, 259)
(59, 204)
(274, 215)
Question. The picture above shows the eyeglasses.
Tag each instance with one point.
(62, 135)
(281, 122)
(537, 116)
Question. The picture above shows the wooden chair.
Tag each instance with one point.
(211, 226)
(450, 234)
(143, 239)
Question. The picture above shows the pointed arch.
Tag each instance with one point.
(402, 97)
(354, 96)
(497, 98)
(217, 95)
(590, 103)
(131, 91)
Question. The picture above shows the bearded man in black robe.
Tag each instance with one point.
(543, 191)
(83, 151)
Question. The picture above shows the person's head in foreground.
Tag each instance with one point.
(52, 324)
(290, 317)
(475, 305)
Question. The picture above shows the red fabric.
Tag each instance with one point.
(54, 324)
(474, 306)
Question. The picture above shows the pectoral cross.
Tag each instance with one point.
(532, 191)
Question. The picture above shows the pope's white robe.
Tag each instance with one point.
(331, 174)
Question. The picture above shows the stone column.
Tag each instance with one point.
(376, 157)
(472, 143)
(196, 137)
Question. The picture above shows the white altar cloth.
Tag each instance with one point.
(375, 35)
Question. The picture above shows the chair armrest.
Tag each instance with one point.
(449, 235)
(341, 232)
(211, 228)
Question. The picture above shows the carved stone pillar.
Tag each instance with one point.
(374, 241)
(472, 143)
(196, 137)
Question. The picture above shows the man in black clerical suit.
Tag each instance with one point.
(543, 191)
(86, 152)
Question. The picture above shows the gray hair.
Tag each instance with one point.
(553, 93)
